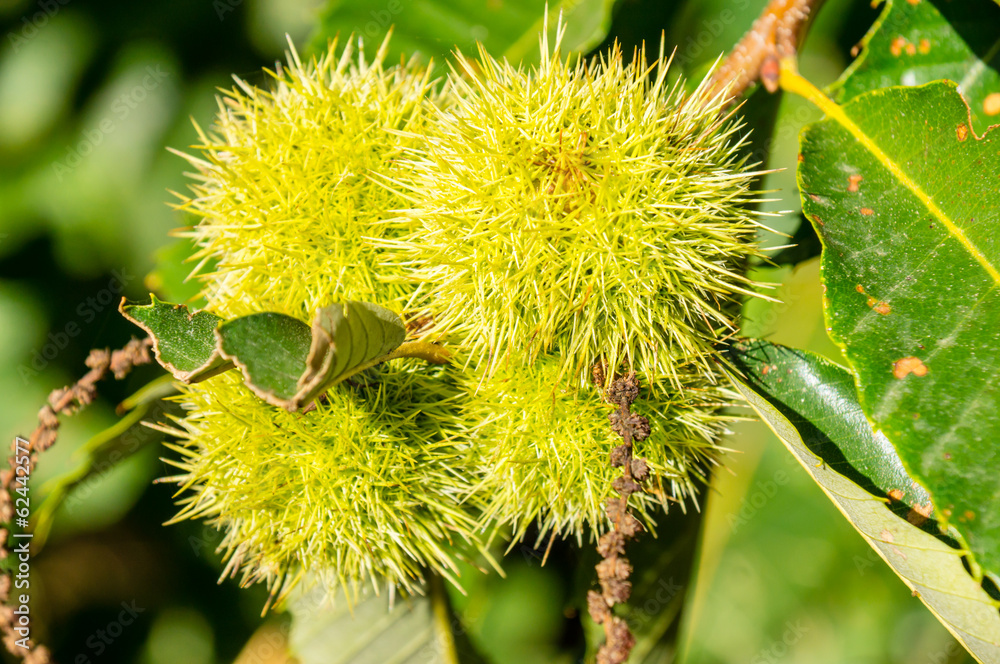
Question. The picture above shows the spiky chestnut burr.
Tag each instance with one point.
(373, 486)
(285, 194)
(367, 486)
(300, 194)
(541, 444)
(588, 208)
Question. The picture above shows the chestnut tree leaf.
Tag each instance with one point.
(811, 405)
(913, 43)
(419, 629)
(346, 339)
(288, 363)
(183, 343)
(270, 349)
(833, 425)
(284, 361)
(905, 198)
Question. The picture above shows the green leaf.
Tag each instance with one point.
(434, 28)
(184, 344)
(913, 43)
(372, 635)
(270, 350)
(808, 402)
(416, 630)
(834, 425)
(348, 338)
(905, 199)
(284, 361)
(288, 364)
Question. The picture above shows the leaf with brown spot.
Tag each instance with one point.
(814, 410)
(927, 373)
(916, 43)
(991, 105)
(905, 366)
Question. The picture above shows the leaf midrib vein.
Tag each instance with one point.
(795, 83)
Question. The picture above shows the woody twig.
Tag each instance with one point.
(775, 36)
(65, 401)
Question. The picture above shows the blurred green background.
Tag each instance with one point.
(92, 92)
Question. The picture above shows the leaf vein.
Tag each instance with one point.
(792, 82)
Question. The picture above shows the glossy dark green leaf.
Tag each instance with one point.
(905, 198)
(809, 403)
(913, 43)
(830, 420)
(434, 28)
(184, 343)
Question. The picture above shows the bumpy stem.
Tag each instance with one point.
(776, 35)
(65, 401)
(614, 569)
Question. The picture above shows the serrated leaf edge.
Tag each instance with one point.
(210, 368)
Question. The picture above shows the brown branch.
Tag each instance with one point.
(774, 36)
(614, 569)
(65, 401)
